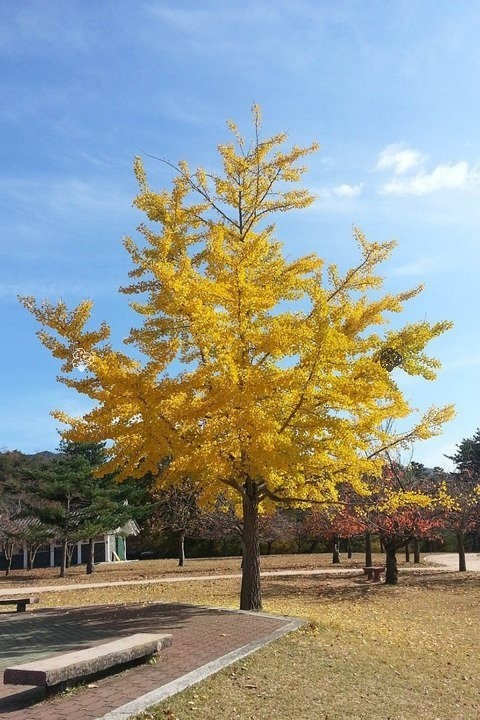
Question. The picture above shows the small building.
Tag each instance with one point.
(109, 547)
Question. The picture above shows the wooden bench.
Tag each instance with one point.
(20, 602)
(79, 664)
(374, 572)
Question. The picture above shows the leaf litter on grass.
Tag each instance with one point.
(368, 652)
(397, 653)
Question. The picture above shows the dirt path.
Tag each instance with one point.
(32, 590)
(438, 561)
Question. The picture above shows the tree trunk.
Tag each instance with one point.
(407, 552)
(313, 546)
(8, 553)
(462, 566)
(181, 549)
(391, 569)
(336, 552)
(368, 550)
(63, 565)
(416, 551)
(91, 556)
(269, 546)
(250, 594)
(349, 549)
(31, 552)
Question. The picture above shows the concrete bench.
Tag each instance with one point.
(374, 572)
(73, 666)
(20, 602)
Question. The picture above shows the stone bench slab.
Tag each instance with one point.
(89, 661)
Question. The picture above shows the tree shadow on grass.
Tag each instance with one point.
(453, 580)
(359, 588)
(315, 589)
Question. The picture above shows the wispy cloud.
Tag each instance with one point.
(399, 158)
(31, 286)
(70, 289)
(416, 267)
(191, 19)
(461, 362)
(63, 194)
(30, 29)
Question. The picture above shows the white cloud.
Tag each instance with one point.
(343, 191)
(415, 180)
(348, 191)
(399, 158)
(444, 177)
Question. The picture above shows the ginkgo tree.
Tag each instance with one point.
(259, 376)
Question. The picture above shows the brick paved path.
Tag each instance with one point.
(200, 635)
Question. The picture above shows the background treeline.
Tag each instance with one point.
(58, 496)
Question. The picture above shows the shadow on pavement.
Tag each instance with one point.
(26, 636)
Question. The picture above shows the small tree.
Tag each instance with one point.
(176, 509)
(10, 532)
(463, 512)
(334, 524)
(402, 507)
(221, 524)
(399, 528)
(321, 525)
(17, 487)
(34, 534)
(460, 501)
(275, 527)
(348, 526)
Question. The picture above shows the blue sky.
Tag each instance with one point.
(390, 90)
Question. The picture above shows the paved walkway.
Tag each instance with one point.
(204, 641)
(450, 560)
